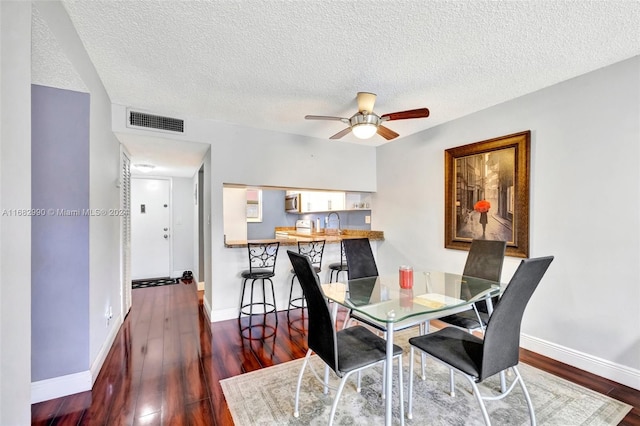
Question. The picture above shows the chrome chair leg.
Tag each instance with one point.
(410, 404)
(452, 383)
(483, 408)
(296, 412)
(526, 395)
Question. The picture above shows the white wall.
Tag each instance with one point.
(15, 193)
(234, 213)
(585, 187)
(183, 203)
(260, 158)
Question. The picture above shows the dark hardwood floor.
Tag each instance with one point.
(166, 362)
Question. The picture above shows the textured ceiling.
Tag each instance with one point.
(265, 64)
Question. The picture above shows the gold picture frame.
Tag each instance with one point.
(487, 193)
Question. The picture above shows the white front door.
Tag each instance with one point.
(150, 228)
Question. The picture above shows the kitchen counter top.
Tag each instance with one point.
(329, 235)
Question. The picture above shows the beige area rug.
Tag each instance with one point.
(266, 397)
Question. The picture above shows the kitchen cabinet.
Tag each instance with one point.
(320, 201)
(325, 201)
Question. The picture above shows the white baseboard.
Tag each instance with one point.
(57, 387)
(598, 366)
(207, 309)
(224, 314)
(96, 366)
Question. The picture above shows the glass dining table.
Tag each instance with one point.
(433, 295)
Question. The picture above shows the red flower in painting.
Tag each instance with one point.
(482, 206)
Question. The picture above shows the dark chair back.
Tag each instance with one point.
(501, 347)
(321, 337)
(262, 257)
(485, 261)
(360, 260)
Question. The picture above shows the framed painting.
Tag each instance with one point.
(487, 193)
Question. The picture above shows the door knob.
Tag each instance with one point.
(166, 236)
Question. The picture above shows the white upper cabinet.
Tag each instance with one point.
(324, 201)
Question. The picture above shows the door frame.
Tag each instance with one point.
(124, 183)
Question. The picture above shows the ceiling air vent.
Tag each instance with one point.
(150, 121)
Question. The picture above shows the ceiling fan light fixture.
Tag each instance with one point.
(364, 126)
(364, 130)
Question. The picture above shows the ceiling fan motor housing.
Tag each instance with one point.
(359, 118)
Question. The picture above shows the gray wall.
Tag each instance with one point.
(273, 215)
(60, 236)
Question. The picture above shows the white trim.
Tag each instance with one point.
(223, 314)
(60, 386)
(57, 387)
(598, 366)
(104, 351)
(207, 309)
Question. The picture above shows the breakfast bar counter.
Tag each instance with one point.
(292, 237)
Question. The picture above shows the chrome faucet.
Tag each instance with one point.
(338, 216)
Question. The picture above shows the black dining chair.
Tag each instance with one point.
(360, 264)
(478, 359)
(360, 260)
(485, 260)
(346, 351)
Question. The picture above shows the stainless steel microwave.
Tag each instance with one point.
(292, 203)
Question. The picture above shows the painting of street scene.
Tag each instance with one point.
(484, 195)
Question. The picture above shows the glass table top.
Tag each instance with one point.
(382, 299)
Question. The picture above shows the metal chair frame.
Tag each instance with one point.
(314, 250)
(262, 264)
(478, 359)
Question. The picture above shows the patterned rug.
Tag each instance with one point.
(266, 397)
(152, 282)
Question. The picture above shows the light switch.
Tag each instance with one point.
(367, 219)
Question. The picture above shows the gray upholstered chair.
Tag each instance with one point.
(485, 261)
(360, 260)
(346, 351)
(478, 359)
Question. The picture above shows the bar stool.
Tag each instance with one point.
(338, 267)
(262, 266)
(314, 250)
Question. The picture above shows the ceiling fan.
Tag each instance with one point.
(365, 123)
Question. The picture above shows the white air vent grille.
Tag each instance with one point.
(150, 121)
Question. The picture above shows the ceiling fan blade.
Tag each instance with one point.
(366, 101)
(387, 133)
(403, 115)
(323, 117)
(341, 133)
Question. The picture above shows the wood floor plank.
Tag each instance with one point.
(167, 361)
